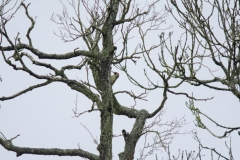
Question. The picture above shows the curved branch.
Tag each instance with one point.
(26, 90)
(118, 109)
(32, 21)
(164, 97)
(225, 134)
(191, 97)
(43, 55)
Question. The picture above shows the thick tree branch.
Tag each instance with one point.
(7, 144)
(132, 138)
(43, 55)
(118, 109)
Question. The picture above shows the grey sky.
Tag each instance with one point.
(43, 117)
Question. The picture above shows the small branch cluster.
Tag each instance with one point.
(161, 138)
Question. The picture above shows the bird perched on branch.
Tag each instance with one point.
(114, 77)
(125, 134)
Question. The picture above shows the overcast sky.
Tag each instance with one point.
(43, 117)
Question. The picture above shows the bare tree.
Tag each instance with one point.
(105, 20)
(209, 46)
